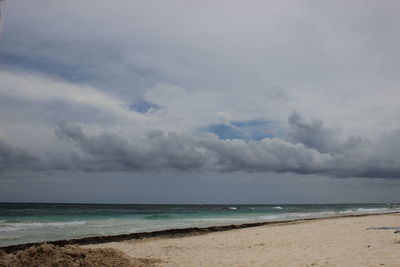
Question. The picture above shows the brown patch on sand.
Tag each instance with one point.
(50, 255)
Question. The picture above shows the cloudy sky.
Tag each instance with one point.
(200, 101)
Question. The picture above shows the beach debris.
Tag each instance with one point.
(71, 255)
(384, 228)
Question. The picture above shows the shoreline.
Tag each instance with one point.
(174, 232)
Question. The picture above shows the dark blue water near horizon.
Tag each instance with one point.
(36, 222)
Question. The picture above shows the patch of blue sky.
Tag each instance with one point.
(144, 107)
(30, 63)
(41, 57)
(246, 130)
(95, 65)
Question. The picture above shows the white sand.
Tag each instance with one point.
(325, 242)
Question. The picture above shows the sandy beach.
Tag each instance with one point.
(340, 241)
(324, 242)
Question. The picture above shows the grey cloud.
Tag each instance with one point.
(372, 158)
(110, 152)
(312, 149)
(314, 135)
(13, 158)
(161, 151)
(353, 157)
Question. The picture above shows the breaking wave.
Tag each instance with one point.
(10, 227)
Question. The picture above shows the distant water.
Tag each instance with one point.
(24, 223)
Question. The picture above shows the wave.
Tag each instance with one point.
(376, 210)
(332, 213)
(102, 223)
(10, 227)
(270, 217)
(157, 217)
(367, 210)
(232, 208)
(277, 208)
(226, 219)
(319, 214)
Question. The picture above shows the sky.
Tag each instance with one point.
(200, 101)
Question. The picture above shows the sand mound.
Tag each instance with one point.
(50, 255)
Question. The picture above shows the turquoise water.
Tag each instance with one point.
(26, 222)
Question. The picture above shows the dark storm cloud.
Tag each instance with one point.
(110, 152)
(313, 149)
(310, 148)
(12, 158)
(314, 135)
(159, 151)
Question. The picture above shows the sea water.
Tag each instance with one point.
(36, 222)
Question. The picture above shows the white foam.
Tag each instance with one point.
(277, 208)
(367, 211)
(372, 210)
(227, 219)
(270, 217)
(10, 227)
(106, 223)
(298, 215)
(232, 208)
(349, 211)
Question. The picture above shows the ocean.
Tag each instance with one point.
(36, 222)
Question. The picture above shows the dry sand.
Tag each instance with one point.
(326, 242)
